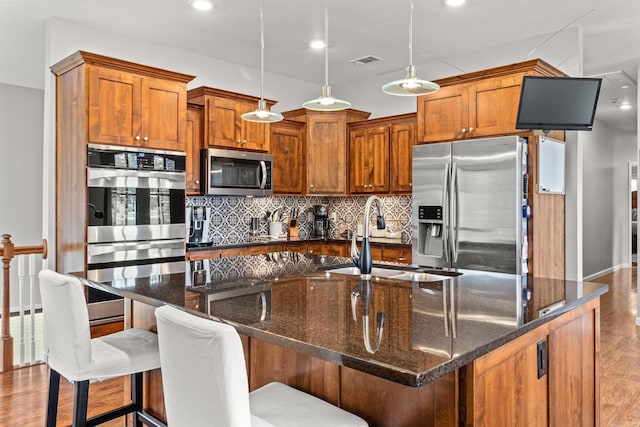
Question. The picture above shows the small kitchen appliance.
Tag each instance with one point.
(198, 226)
(320, 221)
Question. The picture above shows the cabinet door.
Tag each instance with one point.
(403, 138)
(193, 144)
(255, 136)
(493, 105)
(287, 151)
(326, 154)
(506, 387)
(443, 116)
(377, 155)
(358, 171)
(114, 107)
(164, 114)
(223, 123)
(573, 371)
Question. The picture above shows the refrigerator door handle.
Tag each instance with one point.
(445, 214)
(453, 194)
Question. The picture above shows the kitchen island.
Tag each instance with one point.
(451, 349)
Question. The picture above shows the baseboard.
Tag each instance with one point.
(605, 272)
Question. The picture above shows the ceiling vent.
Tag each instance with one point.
(365, 60)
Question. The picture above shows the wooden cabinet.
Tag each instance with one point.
(478, 104)
(129, 108)
(193, 145)
(107, 101)
(223, 125)
(326, 154)
(403, 138)
(287, 148)
(369, 159)
(506, 386)
(380, 155)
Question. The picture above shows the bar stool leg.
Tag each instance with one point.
(52, 402)
(80, 399)
(136, 397)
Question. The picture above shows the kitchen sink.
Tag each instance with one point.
(375, 271)
(414, 276)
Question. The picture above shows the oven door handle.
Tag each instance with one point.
(263, 166)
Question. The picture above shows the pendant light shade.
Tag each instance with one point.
(262, 114)
(326, 102)
(411, 85)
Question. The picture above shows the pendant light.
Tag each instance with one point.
(411, 85)
(262, 114)
(326, 102)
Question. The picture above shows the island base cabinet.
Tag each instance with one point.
(504, 387)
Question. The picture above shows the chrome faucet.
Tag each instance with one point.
(362, 260)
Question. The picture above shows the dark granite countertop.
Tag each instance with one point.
(430, 328)
(266, 241)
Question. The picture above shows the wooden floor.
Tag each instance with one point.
(23, 393)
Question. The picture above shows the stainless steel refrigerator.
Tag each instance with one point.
(469, 205)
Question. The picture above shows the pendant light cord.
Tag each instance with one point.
(261, 50)
(411, 33)
(326, 44)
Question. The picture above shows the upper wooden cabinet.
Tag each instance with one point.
(327, 154)
(130, 104)
(287, 148)
(193, 145)
(478, 104)
(369, 159)
(380, 155)
(223, 124)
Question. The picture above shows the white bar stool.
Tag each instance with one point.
(73, 354)
(205, 381)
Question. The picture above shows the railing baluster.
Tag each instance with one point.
(21, 274)
(32, 309)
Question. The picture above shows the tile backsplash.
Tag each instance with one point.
(230, 215)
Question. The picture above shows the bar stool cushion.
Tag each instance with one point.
(205, 381)
(70, 349)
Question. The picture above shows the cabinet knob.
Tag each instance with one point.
(470, 129)
(464, 130)
(239, 141)
(146, 138)
(411, 184)
(198, 181)
(401, 258)
(244, 141)
(137, 138)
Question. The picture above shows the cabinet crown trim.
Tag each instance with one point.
(538, 65)
(194, 94)
(81, 57)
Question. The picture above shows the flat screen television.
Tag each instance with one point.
(558, 103)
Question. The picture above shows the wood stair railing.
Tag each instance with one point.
(8, 251)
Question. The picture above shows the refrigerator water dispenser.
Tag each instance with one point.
(430, 231)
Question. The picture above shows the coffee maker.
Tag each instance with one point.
(320, 221)
(198, 226)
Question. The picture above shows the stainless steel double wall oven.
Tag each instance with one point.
(136, 218)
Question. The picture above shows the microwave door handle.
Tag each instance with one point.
(263, 166)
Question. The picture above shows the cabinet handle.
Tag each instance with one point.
(137, 138)
(401, 258)
(146, 138)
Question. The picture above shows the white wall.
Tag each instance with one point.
(20, 169)
(607, 152)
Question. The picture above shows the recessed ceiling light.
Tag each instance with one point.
(624, 87)
(203, 5)
(317, 44)
(453, 3)
(625, 106)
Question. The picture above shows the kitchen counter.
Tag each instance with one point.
(430, 329)
(264, 240)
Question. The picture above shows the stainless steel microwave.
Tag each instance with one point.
(238, 173)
